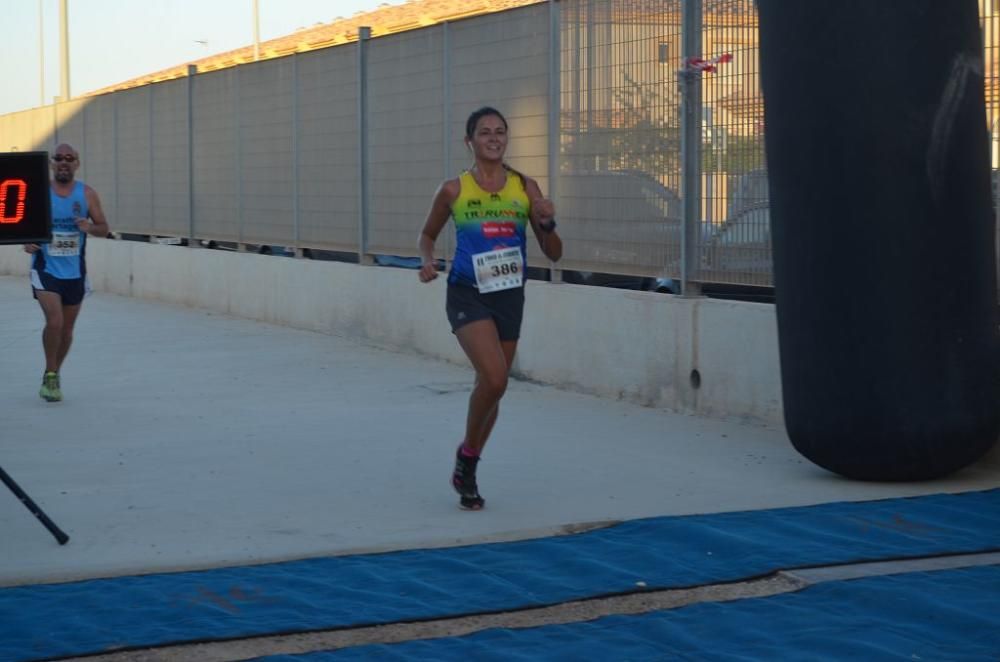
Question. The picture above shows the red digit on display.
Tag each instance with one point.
(22, 192)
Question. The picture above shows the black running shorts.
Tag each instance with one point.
(506, 308)
(71, 290)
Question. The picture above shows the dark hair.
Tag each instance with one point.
(470, 124)
(470, 130)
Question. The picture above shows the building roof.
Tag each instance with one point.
(385, 20)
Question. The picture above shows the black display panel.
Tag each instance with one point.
(25, 203)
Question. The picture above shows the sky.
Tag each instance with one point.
(114, 40)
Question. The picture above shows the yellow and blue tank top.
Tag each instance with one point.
(486, 221)
(64, 257)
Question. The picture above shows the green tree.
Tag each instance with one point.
(639, 132)
(741, 154)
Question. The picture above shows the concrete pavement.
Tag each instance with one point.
(190, 439)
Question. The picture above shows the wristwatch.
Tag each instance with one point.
(548, 227)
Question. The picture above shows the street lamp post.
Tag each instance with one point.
(64, 50)
(41, 54)
(256, 30)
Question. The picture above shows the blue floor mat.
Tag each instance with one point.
(943, 615)
(666, 552)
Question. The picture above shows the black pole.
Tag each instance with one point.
(61, 537)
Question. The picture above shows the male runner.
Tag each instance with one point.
(59, 269)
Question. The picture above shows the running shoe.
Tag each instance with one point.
(463, 479)
(50, 390)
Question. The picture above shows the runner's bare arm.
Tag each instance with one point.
(97, 225)
(543, 213)
(436, 218)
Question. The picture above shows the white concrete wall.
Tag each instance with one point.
(637, 346)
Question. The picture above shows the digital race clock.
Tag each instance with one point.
(25, 203)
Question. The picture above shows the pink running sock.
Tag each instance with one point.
(466, 451)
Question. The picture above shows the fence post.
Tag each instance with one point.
(240, 246)
(296, 241)
(555, 111)
(590, 82)
(150, 161)
(446, 117)
(191, 71)
(364, 34)
(83, 139)
(690, 88)
(114, 151)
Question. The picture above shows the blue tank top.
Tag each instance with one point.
(486, 221)
(64, 257)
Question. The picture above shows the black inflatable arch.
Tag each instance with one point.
(883, 233)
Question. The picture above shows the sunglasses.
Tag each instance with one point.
(68, 158)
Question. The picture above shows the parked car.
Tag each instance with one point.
(731, 291)
(405, 262)
(618, 281)
(743, 243)
(740, 249)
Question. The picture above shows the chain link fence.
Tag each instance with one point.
(341, 148)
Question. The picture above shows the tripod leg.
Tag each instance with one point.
(61, 537)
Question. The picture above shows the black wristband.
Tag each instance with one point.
(548, 227)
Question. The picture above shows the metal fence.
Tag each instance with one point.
(657, 167)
